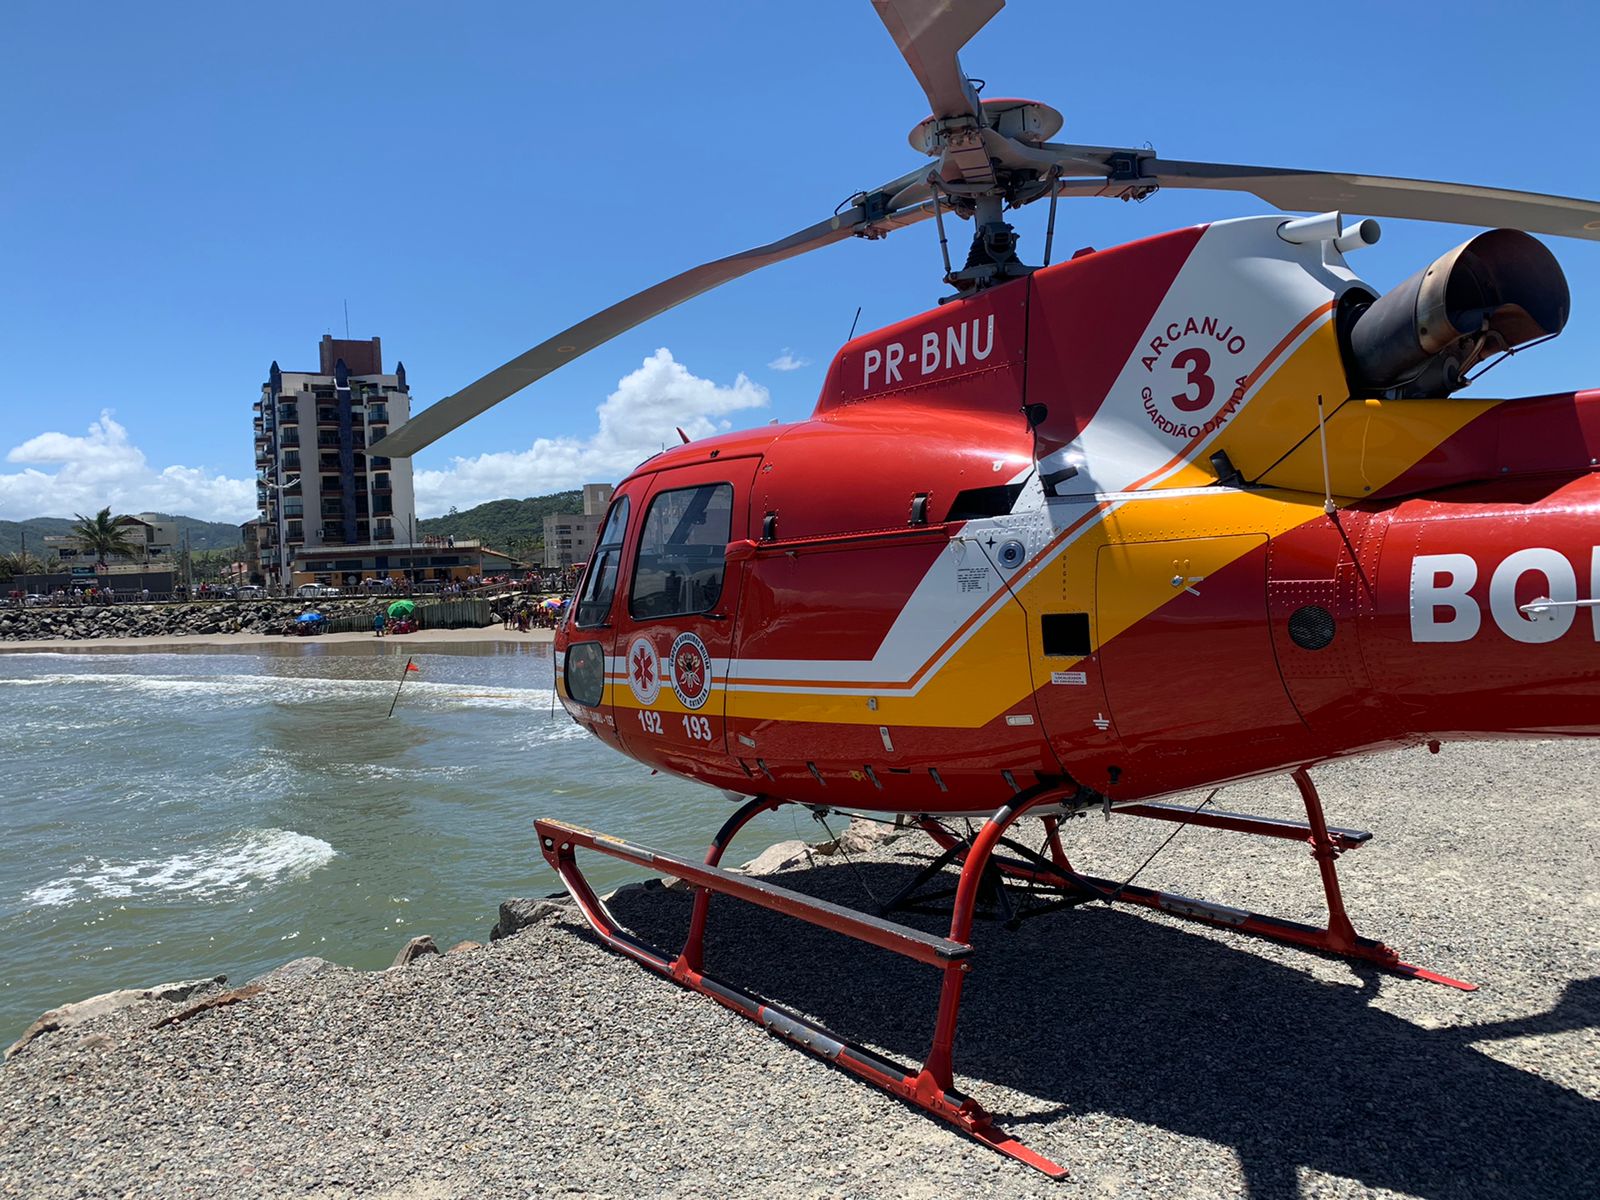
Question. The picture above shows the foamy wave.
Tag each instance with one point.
(256, 858)
(561, 730)
(231, 690)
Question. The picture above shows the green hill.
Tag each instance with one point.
(513, 526)
(203, 535)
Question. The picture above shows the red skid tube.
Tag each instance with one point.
(1338, 937)
(931, 1088)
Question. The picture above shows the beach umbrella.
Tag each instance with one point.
(309, 617)
(402, 608)
(552, 603)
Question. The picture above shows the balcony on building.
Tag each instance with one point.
(377, 414)
(327, 416)
(327, 437)
(291, 460)
(328, 462)
(290, 437)
(294, 508)
(288, 414)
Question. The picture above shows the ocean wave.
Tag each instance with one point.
(561, 730)
(235, 690)
(253, 859)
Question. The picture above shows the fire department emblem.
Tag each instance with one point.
(644, 671)
(691, 670)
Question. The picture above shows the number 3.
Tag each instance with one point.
(698, 728)
(1197, 363)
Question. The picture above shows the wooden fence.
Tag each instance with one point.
(440, 614)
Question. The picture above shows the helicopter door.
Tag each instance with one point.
(675, 623)
(1190, 673)
(591, 630)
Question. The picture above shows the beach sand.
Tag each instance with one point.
(433, 638)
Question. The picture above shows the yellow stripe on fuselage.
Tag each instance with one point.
(1370, 443)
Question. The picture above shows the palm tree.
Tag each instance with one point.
(20, 563)
(104, 535)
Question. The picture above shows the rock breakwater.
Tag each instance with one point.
(89, 622)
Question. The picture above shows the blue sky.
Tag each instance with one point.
(191, 191)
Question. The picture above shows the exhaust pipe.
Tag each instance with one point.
(1501, 290)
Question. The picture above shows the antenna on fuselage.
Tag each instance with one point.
(1327, 484)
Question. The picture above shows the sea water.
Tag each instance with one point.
(178, 814)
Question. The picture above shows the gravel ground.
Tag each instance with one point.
(1152, 1057)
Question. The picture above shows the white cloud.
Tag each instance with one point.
(788, 362)
(105, 468)
(636, 420)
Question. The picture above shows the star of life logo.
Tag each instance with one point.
(691, 670)
(644, 671)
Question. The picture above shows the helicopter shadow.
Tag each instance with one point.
(1104, 1011)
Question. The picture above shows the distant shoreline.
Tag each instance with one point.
(490, 634)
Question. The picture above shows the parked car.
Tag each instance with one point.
(312, 591)
(34, 600)
(249, 591)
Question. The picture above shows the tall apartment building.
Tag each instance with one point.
(568, 537)
(315, 485)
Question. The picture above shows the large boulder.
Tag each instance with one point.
(417, 947)
(519, 913)
(860, 837)
(784, 856)
(69, 1015)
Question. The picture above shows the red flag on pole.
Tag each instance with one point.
(410, 667)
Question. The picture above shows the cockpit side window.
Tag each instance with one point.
(679, 567)
(600, 582)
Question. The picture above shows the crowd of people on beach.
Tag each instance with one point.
(527, 613)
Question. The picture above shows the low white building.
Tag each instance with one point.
(155, 545)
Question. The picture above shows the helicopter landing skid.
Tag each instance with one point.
(930, 1087)
(1338, 937)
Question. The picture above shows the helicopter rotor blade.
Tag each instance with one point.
(1137, 173)
(871, 216)
(928, 34)
(1380, 196)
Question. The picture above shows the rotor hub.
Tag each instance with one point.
(1028, 121)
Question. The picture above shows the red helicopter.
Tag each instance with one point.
(960, 589)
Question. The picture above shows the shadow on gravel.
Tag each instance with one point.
(1102, 1010)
